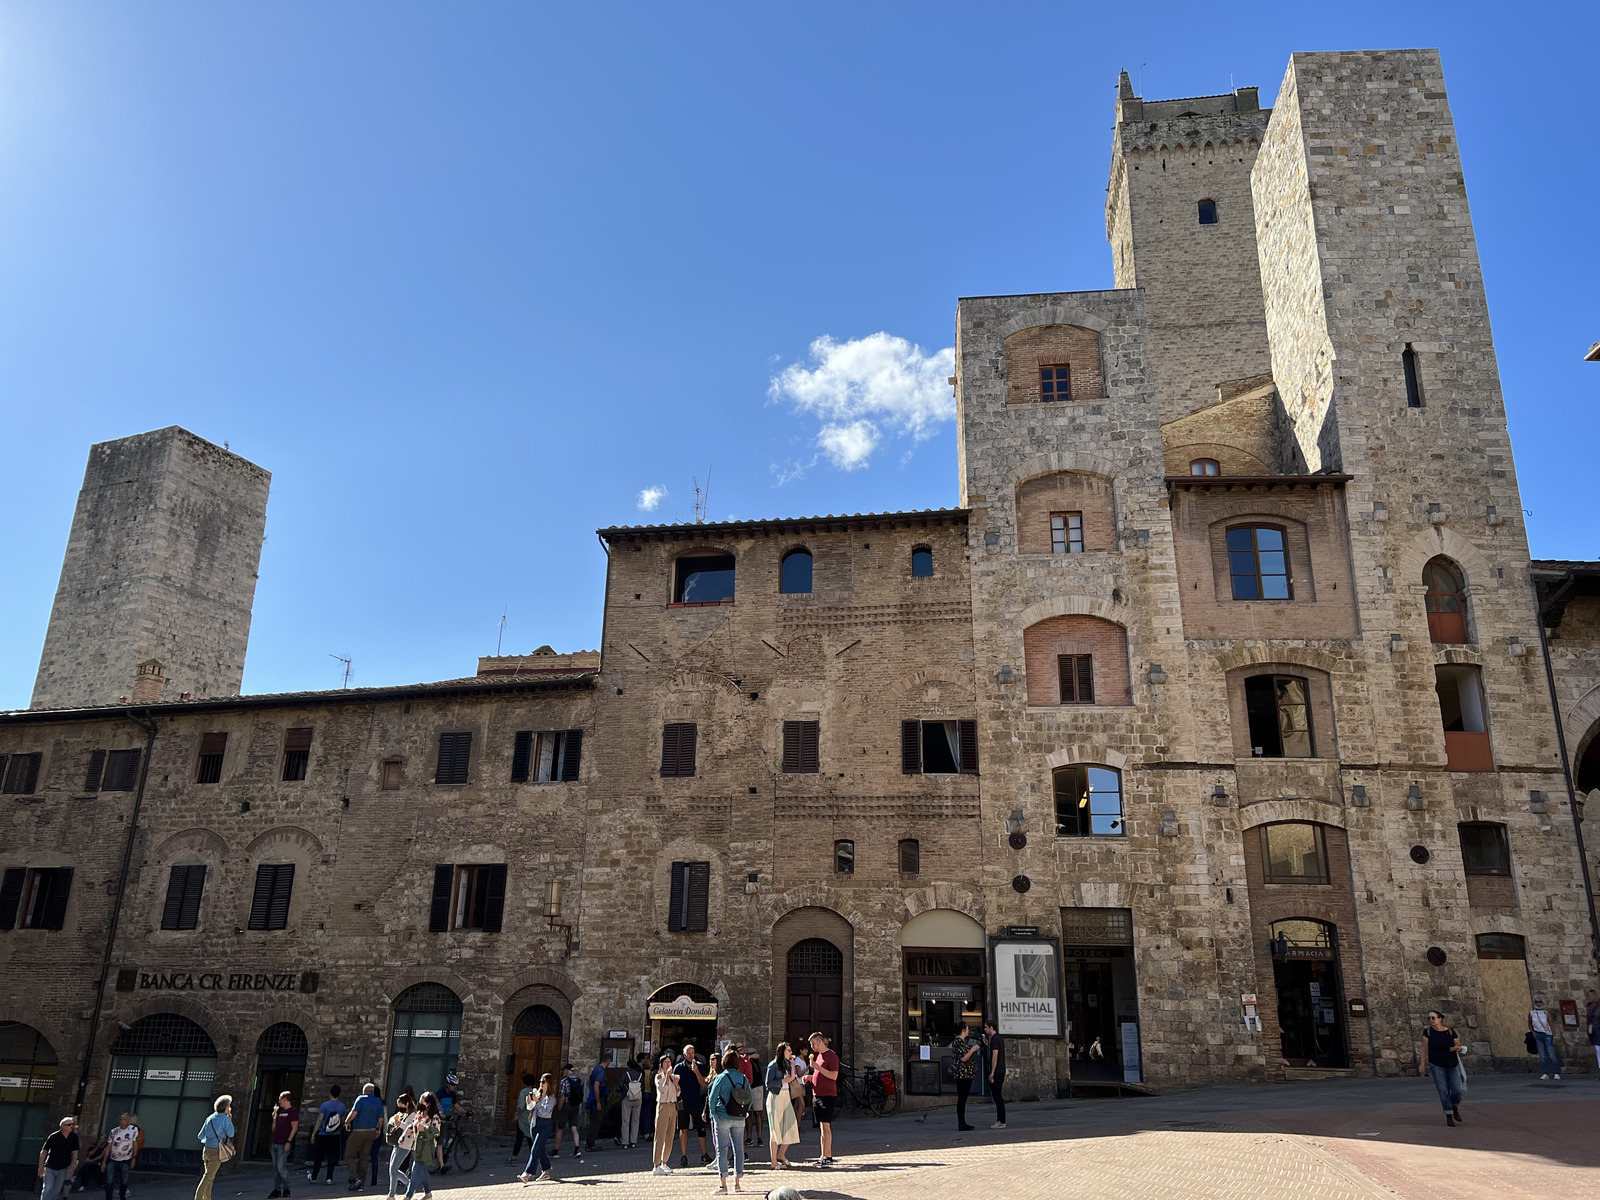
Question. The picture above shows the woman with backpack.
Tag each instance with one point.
(632, 1102)
(783, 1125)
(728, 1102)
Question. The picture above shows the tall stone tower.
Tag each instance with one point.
(159, 575)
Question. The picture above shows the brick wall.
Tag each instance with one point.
(1107, 641)
(1061, 492)
(1051, 345)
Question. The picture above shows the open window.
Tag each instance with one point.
(213, 746)
(1408, 364)
(1293, 852)
(1088, 802)
(468, 897)
(1466, 725)
(549, 756)
(703, 579)
(35, 897)
(844, 857)
(1446, 603)
(939, 747)
(1278, 708)
(296, 754)
(794, 574)
(22, 773)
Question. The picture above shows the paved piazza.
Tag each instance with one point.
(1346, 1139)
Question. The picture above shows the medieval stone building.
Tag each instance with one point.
(1212, 738)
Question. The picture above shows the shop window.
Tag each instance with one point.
(1208, 212)
(185, 886)
(1066, 533)
(939, 747)
(296, 754)
(1055, 382)
(391, 771)
(164, 1067)
(468, 897)
(551, 756)
(455, 756)
(427, 1038)
(1258, 563)
(794, 573)
(21, 774)
(269, 906)
(800, 739)
(208, 768)
(122, 771)
(703, 579)
(28, 1066)
(1466, 727)
(1205, 466)
(1486, 863)
(1075, 674)
(922, 563)
(1088, 802)
(910, 856)
(688, 906)
(844, 858)
(1446, 603)
(1293, 852)
(1279, 715)
(1408, 364)
(677, 749)
(34, 897)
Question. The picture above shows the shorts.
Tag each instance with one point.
(567, 1116)
(825, 1106)
(695, 1120)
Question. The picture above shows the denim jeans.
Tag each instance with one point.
(729, 1133)
(1448, 1082)
(1549, 1064)
(117, 1178)
(54, 1182)
(280, 1168)
(419, 1174)
(539, 1153)
(396, 1175)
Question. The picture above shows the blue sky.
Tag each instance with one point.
(469, 278)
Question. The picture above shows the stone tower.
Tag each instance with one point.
(159, 574)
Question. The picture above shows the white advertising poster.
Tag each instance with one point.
(1027, 982)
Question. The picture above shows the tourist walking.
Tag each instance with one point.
(216, 1144)
(825, 1093)
(538, 1112)
(569, 1094)
(530, 1085)
(728, 1101)
(1441, 1057)
(594, 1101)
(58, 1160)
(285, 1124)
(783, 1125)
(401, 1134)
(1592, 1013)
(647, 1111)
(964, 1067)
(426, 1123)
(1545, 1037)
(667, 1105)
(757, 1074)
(632, 1103)
(379, 1147)
(122, 1156)
(691, 1112)
(365, 1120)
(994, 1049)
(327, 1140)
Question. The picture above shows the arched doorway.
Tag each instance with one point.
(535, 1048)
(27, 1084)
(281, 1052)
(942, 963)
(1305, 973)
(816, 992)
(164, 1069)
(426, 1040)
(681, 1013)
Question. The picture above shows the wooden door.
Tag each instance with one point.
(816, 1005)
(536, 1055)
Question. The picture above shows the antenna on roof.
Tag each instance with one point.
(702, 498)
(346, 663)
(501, 637)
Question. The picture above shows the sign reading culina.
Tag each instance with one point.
(682, 1009)
(1027, 986)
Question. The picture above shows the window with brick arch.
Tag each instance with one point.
(1205, 466)
(1055, 382)
(1446, 602)
(1053, 364)
(1077, 660)
(1065, 512)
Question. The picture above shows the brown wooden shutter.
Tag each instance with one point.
(494, 896)
(911, 747)
(53, 914)
(22, 774)
(1086, 679)
(791, 747)
(571, 755)
(810, 762)
(676, 916)
(669, 751)
(455, 755)
(174, 905)
(1068, 678)
(444, 877)
(11, 895)
(968, 734)
(699, 896)
(194, 886)
(122, 771)
(677, 748)
(521, 755)
(269, 906)
(97, 768)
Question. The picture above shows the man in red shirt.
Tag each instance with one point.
(825, 1092)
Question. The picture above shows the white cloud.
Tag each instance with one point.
(866, 387)
(651, 497)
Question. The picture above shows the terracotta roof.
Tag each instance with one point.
(914, 515)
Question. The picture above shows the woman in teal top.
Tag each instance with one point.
(729, 1129)
(217, 1129)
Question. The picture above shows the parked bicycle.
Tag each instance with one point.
(874, 1091)
(460, 1140)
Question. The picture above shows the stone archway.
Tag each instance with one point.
(824, 982)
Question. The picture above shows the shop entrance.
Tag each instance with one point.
(280, 1067)
(163, 1067)
(1101, 995)
(681, 1014)
(535, 1049)
(1503, 971)
(943, 979)
(1305, 973)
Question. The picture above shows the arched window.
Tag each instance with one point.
(844, 858)
(815, 957)
(1446, 602)
(703, 579)
(1205, 466)
(1208, 212)
(427, 1038)
(921, 563)
(28, 1064)
(794, 574)
(910, 856)
(1088, 802)
(1293, 852)
(164, 1068)
(282, 1045)
(538, 1020)
(1258, 563)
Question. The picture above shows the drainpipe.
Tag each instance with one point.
(145, 722)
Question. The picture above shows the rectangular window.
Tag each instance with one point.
(468, 897)
(185, 886)
(22, 774)
(689, 903)
(1485, 850)
(1066, 533)
(939, 747)
(212, 747)
(677, 749)
(455, 755)
(296, 754)
(800, 740)
(122, 771)
(1088, 802)
(1076, 675)
(707, 579)
(844, 858)
(1258, 563)
(390, 772)
(1294, 852)
(1408, 363)
(1055, 382)
(36, 897)
(546, 757)
(269, 907)
(1461, 709)
(910, 856)
(1280, 716)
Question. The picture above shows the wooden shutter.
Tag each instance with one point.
(800, 747)
(53, 914)
(677, 748)
(911, 747)
(675, 914)
(455, 755)
(494, 899)
(269, 907)
(184, 889)
(297, 739)
(97, 768)
(22, 774)
(571, 755)
(1086, 679)
(809, 736)
(521, 753)
(11, 895)
(791, 747)
(699, 896)
(968, 734)
(174, 905)
(444, 876)
(122, 771)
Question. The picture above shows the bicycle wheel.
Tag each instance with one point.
(465, 1152)
(882, 1103)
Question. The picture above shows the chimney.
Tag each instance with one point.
(148, 680)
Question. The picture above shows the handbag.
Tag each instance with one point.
(225, 1149)
(391, 1131)
(1531, 1042)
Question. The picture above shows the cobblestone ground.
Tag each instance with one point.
(1349, 1139)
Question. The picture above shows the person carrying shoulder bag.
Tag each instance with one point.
(1441, 1056)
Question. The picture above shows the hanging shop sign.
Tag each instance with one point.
(1027, 986)
(682, 1009)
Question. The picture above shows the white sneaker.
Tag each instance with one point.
(998, 1125)
(1558, 1074)
(1544, 1077)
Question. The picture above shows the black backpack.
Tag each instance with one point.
(738, 1102)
